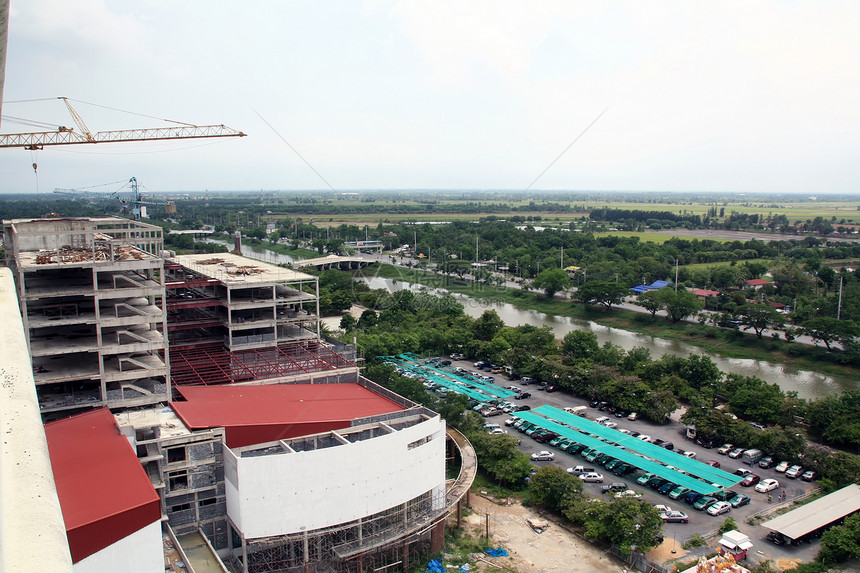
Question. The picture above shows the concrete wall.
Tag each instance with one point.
(283, 493)
(140, 552)
(32, 531)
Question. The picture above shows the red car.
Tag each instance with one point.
(714, 463)
(750, 479)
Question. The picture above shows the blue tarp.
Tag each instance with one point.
(497, 552)
(652, 286)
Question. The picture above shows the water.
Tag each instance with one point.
(807, 384)
(252, 252)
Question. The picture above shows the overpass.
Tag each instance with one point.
(333, 262)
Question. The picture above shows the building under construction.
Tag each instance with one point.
(90, 295)
(262, 443)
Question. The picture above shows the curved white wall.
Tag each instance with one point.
(284, 493)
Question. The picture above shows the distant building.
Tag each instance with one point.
(757, 283)
(703, 293)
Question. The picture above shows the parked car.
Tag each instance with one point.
(593, 477)
(793, 472)
(457, 356)
(736, 453)
(633, 416)
(643, 437)
(678, 492)
(692, 497)
(704, 503)
(674, 517)
(725, 449)
(656, 482)
(543, 456)
(691, 455)
(714, 463)
(628, 494)
(667, 487)
(614, 486)
(522, 396)
(643, 479)
(781, 467)
(767, 485)
(623, 469)
(740, 500)
(720, 508)
(725, 494)
(750, 479)
(767, 462)
(743, 472)
(522, 408)
(808, 476)
(610, 424)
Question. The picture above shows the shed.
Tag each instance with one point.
(817, 514)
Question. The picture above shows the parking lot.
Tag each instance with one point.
(699, 521)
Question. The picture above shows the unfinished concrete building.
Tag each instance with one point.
(235, 320)
(90, 296)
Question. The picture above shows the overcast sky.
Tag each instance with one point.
(720, 96)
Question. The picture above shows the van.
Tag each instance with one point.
(752, 456)
(578, 410)
(526, 380)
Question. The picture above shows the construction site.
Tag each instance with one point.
(214, 370)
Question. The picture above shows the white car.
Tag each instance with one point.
(766, 485)
(592, 477)
(602, 419)
(543, 456)
(510, 421)
(720, 508)
(781, 467)
(628, 494)
(691, 455)
(643, 437)
(610, 424)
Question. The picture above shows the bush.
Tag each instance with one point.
(695, 541)
(728, 525)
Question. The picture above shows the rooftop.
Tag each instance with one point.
(104, 492)
(258, 414)
(236, 270)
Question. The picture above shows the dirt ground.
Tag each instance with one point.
(554, 550)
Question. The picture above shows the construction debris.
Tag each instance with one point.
(98, 252)
(538, 525)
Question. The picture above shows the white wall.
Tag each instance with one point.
(283, 493)
(140, 552)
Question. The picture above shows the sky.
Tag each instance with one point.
(747, 96)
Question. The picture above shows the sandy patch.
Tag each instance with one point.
(554, 550)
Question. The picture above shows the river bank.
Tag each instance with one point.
(730, 343)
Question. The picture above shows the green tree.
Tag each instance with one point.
(487, 325)
(553, 488)
(650, 301)
(551, 281)
(627, 523)
(680, 304)
(760, 317)
(601, 292)
(829, 330)
(728, 525)
(579, 345)
(841, 543)
(500, 457)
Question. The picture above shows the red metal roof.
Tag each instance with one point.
(258, 414)
(104, 492)
(757, 282)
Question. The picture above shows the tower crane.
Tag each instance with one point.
(136, 201)
(68, 136)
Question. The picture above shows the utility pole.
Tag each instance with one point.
(561, 265)
(676, 275)
(839, 306)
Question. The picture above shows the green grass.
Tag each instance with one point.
(659, 238)
(722, 341)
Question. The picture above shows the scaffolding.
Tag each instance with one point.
(214, 364)
(386, 539)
